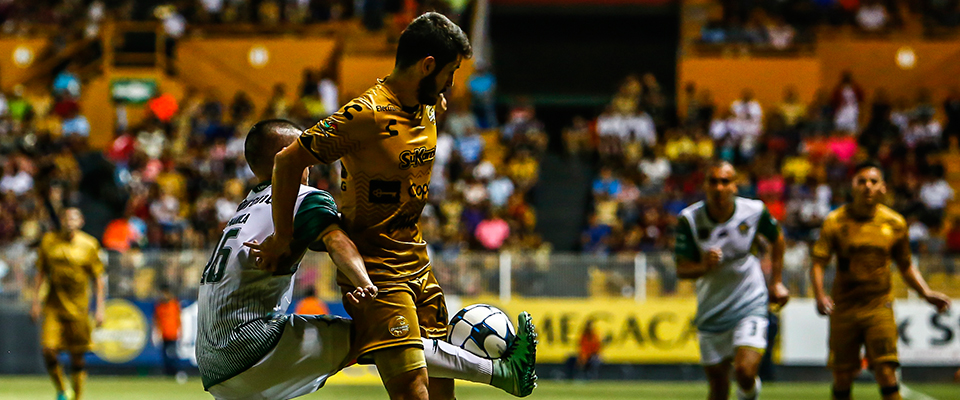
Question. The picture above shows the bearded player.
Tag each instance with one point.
(865, 236)
(249, 348)
(69, 262)
(386, 141)
(715, 245)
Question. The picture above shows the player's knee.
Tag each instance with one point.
(49, 358)
(409, 385)
(842, 379)
(886, 374)
(402, 369)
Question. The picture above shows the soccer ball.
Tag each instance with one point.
(483, 330)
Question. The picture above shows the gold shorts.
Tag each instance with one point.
(62, 334)
(401, 314)
(872, 327)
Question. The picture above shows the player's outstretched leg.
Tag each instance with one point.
(516, 371)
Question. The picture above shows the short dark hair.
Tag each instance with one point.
(870, 164)
(261, 145)
(432, 34)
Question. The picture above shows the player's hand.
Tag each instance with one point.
(269, 253)
(35, 312)
(825, 305)
(362, 295)
(938, 300)
(714, 257)
(99, 317)
(779, 294)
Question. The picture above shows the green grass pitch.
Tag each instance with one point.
(113, 388)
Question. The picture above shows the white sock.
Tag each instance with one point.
(445, 360)
(752, 394)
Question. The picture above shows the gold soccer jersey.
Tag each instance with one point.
(69, 266)
(387, 155)
(864, 248)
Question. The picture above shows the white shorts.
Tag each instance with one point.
(749, 332)
(311, 349)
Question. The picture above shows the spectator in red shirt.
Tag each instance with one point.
(311, 305)
(587, 360)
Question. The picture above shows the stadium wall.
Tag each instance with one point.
(17, 56)
(900, 67)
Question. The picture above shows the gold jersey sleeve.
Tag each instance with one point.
(387, 154)
(864, 248)
(70, 265)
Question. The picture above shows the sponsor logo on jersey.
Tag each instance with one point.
(254, 201)
(384, 192)
(743, 228)
(399, 327)
(417, 157)
(388, 107)
(327, 127)
(419, 191)
(432, 114)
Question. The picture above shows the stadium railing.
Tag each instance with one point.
(640, 276)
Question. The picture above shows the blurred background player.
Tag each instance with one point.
(69, 262)
(865, 235)
(586, 363)
(247, 349)
(715, 242)
(166, 314)
(386, 140)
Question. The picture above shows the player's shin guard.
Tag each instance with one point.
(445, 360)
(56, 374)
(79, 380)
(841, 394)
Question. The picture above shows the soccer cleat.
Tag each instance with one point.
(516, 371)
(66, 395)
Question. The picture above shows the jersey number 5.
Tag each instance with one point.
(214, 270)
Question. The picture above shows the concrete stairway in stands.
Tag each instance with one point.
(562, 196)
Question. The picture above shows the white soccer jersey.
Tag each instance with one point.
(242, 310)
(737, 288)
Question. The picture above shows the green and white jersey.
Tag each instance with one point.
(737, 288)
(242, 310)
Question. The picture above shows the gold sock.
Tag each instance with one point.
(56, 375)
(79, 379)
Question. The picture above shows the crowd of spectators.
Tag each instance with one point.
(793, 155)
(781, 24)
(173, 179)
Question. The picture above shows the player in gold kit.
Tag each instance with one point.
(386, 141)
(865, 236)
(68, 261)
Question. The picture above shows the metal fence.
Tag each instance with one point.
(137, 274)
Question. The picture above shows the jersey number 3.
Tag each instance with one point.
(214, 270)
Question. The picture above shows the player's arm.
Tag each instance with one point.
(690, 264)
(345, 256)
(95, 265)
(911, 274)
(823, 251)
(41, 268)
(325, 143)
(317, 227)
(769, 228)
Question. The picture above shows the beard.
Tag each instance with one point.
(427, 92)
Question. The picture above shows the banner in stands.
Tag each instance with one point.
(926, 338)
(652, 332)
